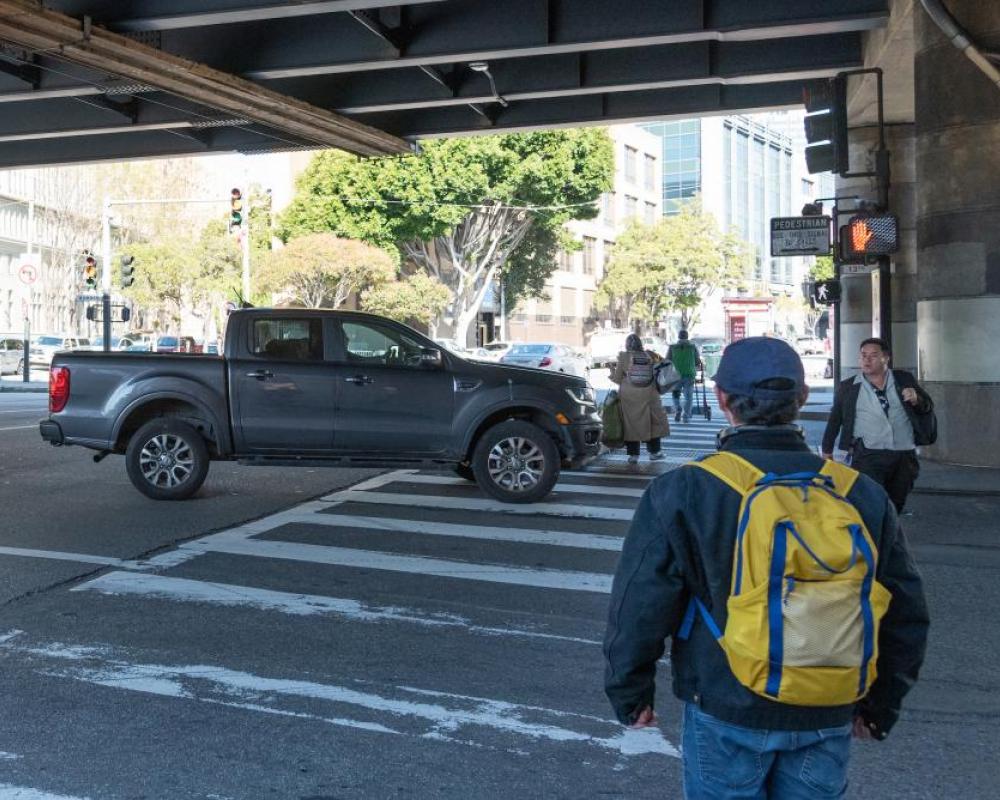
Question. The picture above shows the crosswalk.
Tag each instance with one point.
(445, 619)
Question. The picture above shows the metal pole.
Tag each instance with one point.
(106, 273)
(246, 250)
(835, 307)
(26, 344)
(503, 311)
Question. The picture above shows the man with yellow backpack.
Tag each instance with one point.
(796, 614)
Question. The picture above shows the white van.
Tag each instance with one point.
(605, 345)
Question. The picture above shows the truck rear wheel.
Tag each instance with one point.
(516, 462)
(167, 459)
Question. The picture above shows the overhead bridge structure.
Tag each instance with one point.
(84, 80)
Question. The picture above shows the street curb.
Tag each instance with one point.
(25, 389)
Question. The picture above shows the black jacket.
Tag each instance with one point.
(681, 544)
(845, 409)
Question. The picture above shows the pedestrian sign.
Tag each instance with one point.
(826, 293)
(800, 236)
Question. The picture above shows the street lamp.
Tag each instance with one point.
(484, 69)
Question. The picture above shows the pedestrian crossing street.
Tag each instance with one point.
(443, 616)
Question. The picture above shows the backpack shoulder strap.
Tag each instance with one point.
(733, 470)
(842, 475)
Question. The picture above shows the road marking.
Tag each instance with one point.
(613, 476)
(583, 541)
(230, 595)
(447, 480)
(425, 714)
(476, 504)
(418, 565)
(9, 792)
(59, 556)
(19, 427)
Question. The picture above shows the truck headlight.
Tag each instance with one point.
(583, 395)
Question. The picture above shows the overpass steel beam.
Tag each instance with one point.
(595, 109)
(606, 71)
(474, 30)
(142, 16)
(26, 24)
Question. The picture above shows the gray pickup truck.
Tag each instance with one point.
(309, 387)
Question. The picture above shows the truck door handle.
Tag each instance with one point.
(359, 380)
(261, 374)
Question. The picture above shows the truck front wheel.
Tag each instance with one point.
(516, 462)
(167, 459)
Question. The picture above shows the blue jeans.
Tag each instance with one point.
(687, 387)
(730, 762)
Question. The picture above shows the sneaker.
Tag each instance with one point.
(656, 456)
(633, 459)
(677, 417)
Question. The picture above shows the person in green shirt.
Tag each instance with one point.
(686, 360)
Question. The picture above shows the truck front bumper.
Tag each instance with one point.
(586, 442)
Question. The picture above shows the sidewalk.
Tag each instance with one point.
(15, 383)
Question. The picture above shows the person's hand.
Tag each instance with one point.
(646, 719)
(910, 396)
(828, 456)
(860, 731)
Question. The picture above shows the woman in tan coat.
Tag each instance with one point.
(643, 415)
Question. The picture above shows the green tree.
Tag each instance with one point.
(418, 298)
(670, 267)
(822, 268)
(462, 210)
(321, 269)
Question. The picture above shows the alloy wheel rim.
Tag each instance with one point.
(516, 464)
(166, 461)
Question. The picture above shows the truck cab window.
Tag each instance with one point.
(367, 343)
(288, 339)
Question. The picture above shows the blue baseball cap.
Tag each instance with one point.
(750, 362)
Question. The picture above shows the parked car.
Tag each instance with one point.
(655, 344)
(45, 346)
(605, 345)
(492, 351)
(453, 347)
(298, 387)
(11, 356)
(810, 346)
(177, 344)
(550, 356)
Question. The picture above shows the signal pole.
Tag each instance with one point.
(106, 274)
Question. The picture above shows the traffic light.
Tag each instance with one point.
(89, 270)
(127, 271)
(235, 209)
(869, 235)
(826, 125)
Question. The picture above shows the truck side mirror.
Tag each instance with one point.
(430, 357)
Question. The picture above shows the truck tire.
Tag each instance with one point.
(167, 459)
(465, 471)
(516, 462)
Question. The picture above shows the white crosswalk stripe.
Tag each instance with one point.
(407, 550)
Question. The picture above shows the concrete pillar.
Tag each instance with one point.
(958, 234)
(856, 306)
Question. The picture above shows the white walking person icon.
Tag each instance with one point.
(821, 292)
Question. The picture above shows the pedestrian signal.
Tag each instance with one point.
(869, 235)
(826, 293)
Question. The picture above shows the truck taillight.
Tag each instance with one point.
(58, 389)
(545, 362)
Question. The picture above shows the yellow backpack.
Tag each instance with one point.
(804, 606)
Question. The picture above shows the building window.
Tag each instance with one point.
(565, 261)
(650, 215)
(631, 163)
(608, 208)
(564, 320)
(608, 250)
(631, 207)
(649, 173)
(543, 319)
(519, 317)
(589, 252)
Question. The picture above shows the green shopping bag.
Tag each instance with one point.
(613, 434)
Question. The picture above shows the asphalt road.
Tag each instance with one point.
(292, 633)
